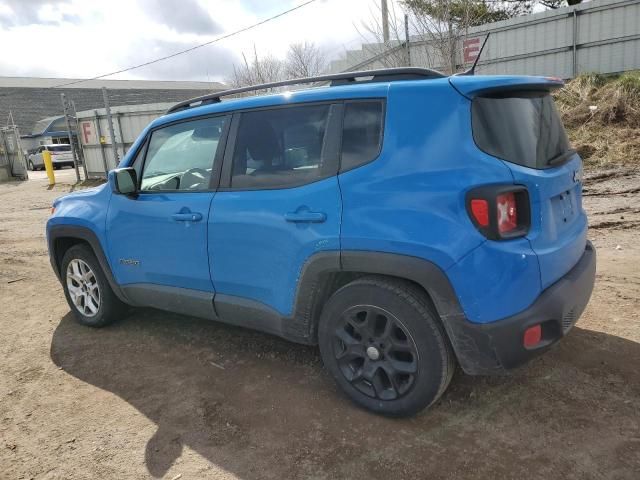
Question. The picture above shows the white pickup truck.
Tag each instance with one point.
(60, 156)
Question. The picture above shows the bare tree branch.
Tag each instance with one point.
(390, 52)
(304, 60)
(257, 70)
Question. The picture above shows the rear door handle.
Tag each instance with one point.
(187, 217)
(305, 216)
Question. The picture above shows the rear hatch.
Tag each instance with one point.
(515, 120)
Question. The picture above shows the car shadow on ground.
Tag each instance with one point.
(261, 407)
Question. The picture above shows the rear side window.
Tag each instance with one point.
(60, 148)
(282, 147)
(361, 134)
(521, 127)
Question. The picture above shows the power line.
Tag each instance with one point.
(191, 49)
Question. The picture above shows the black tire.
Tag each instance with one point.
(30, 166)
(110, 307)
(415, 340)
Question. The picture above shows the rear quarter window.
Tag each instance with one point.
(61, 148)
(520, 127)
(361, 133)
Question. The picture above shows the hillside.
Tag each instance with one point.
(602, 117)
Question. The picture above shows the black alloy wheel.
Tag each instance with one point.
(384, 344)
(375, 352)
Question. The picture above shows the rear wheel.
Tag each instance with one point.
(384, 345)
(87, 290)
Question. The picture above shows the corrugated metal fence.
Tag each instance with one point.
(599, 36)
(128, 123)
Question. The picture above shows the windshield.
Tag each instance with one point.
(520, 127)
(59, 148)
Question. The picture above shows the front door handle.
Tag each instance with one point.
(187, 217)
(305, 216)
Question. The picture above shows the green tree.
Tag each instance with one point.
(467, 13)
(558, 3)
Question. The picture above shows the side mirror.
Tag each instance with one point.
(123, 181)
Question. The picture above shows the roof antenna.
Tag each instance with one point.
(472, 70)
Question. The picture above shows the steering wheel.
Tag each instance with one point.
(199, 175)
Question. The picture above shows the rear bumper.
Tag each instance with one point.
(497, 346)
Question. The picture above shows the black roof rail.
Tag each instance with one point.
(344, 78)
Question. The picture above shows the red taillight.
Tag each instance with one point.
(507, 212)
(480, 211)
(500, 212)
(532, 336)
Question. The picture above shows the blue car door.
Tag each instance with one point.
(157, 239)
(278, 204)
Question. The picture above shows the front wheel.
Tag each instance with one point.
(384, 345)
(87, 290)
(30, 166)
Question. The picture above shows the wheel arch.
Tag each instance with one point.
(62, 237)
(322, 275)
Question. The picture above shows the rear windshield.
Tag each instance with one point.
(520, 127)
(60, 148)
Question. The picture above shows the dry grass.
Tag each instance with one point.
(602, 117)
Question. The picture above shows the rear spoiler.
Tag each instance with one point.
(476, 85)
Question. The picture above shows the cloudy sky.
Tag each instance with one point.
(80, 38)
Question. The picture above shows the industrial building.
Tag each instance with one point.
(30, 100)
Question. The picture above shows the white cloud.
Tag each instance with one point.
(76, 38)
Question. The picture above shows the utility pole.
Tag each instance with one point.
(385, 21)
(406, 38)
(65, 107)
(110, 125)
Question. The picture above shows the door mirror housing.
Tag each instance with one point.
(123, 181)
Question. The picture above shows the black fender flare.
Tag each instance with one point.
(418, 270)
(312, 290)
(86, 235)
(474, 352)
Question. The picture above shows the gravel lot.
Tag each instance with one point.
(162, 395)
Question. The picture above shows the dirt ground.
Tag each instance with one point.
(162, 395)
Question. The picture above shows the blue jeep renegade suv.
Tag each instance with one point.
(403, 220)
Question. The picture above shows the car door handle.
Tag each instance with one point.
(312, 217)
(187, 217)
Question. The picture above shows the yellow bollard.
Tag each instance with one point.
(48, 165)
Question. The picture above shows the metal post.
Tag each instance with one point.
(575, 42)
(83, 159)
(385, 21)
(65, 107)
(99, 132)
(118, 115)
(406, 38)
(110, 126)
